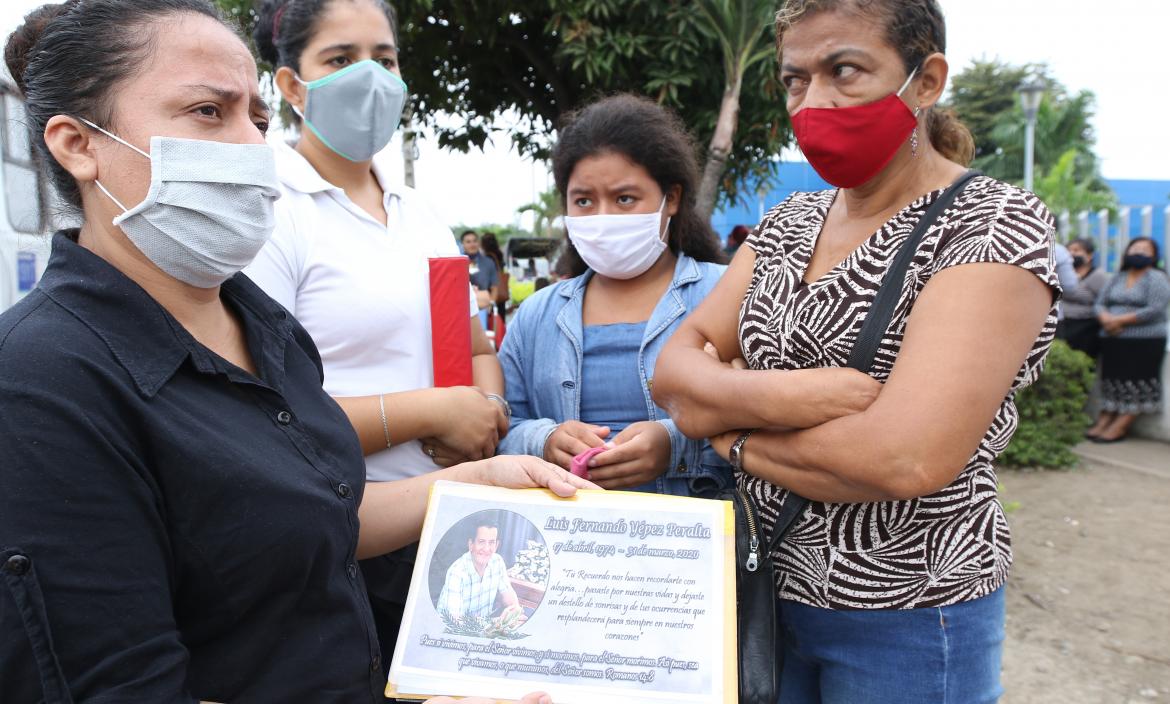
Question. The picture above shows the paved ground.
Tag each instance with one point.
(1089, 596)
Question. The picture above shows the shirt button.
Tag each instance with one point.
(344, 491)
(375, 663)
(682, 467)
(351, 570)
(284, 417)
(281, 315)
(18, 565)
(568, 384)
(650, 383)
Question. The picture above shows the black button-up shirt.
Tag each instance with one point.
(172, 528)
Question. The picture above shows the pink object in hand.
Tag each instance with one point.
(580, 463)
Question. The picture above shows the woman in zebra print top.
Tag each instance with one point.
(891, 582)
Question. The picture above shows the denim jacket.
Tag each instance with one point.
(542, 360)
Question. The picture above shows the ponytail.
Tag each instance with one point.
(949, 136)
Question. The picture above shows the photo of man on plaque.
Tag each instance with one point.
(495, 580)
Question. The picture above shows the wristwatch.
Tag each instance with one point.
(735, 454)
(503, 403)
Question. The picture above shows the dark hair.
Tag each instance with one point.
(915, 29)
(69, 59)
(491, 247)
(284, 27)
(1153, 243)
(654, 138)
(738, 234)
(468, 232)
(1086, 244)
(473, 528)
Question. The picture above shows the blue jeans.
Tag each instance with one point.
(947, 655)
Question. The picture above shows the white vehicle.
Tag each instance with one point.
(24, 218)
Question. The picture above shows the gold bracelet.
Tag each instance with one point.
(385, 425)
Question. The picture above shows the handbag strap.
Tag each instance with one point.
(876, 322)
(882, 311)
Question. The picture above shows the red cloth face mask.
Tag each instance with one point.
(849, 146)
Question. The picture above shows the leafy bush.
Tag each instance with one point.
(1052, 412)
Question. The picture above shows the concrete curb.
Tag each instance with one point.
(1108, 455)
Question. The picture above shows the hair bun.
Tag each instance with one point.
(264, 35)
(18, 50)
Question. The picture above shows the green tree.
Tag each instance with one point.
(520, 65)
(985, 97)
(742, 30)
(1063, 191)
(546, 209)
(983, 91)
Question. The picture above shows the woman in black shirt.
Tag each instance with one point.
(179, 499)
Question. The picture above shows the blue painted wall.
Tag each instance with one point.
(799, 176)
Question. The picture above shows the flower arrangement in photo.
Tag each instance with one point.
(532, 563)
(503, 627)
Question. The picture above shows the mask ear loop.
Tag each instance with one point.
(118, 139)
(907, 83)
(114, 137)
(914, 134)
(665, 234)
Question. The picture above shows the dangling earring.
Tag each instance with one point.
(914, 136)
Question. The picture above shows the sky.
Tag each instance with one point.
(1112, 49)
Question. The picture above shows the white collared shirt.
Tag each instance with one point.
(359, 287)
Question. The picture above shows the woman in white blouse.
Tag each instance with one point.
(349, 258)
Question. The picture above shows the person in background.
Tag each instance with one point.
(181, 503)
(349, 259)
(1131, 309)
(1079, 326)
(580, 355)
(1066, 272)
(891, 582)
(490, 246)
(485, 276)
(738, 234)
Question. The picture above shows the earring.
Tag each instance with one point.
(914, 136)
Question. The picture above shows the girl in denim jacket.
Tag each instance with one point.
(579, 357)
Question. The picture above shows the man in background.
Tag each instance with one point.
(484, 274)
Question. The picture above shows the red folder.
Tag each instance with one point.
(450, 321)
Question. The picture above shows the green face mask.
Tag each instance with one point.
(356, 110)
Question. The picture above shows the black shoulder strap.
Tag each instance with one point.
(886, 300)
(876, 323)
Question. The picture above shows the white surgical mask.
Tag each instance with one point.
(209, 210)
(619, 246)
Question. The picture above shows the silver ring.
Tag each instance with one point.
(431, 451)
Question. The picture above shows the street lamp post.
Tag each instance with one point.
(1031, 91)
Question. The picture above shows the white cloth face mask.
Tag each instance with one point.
(209, 210)
(620, 246)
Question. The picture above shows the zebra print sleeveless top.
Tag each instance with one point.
(942, 549)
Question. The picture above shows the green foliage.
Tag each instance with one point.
(520, 65)
(546, 209)
(1063, 190)
(986, 98)
(983, 91)
(743, 30)
(1052, 412)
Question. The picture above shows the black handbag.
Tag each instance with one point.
(760, 661)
